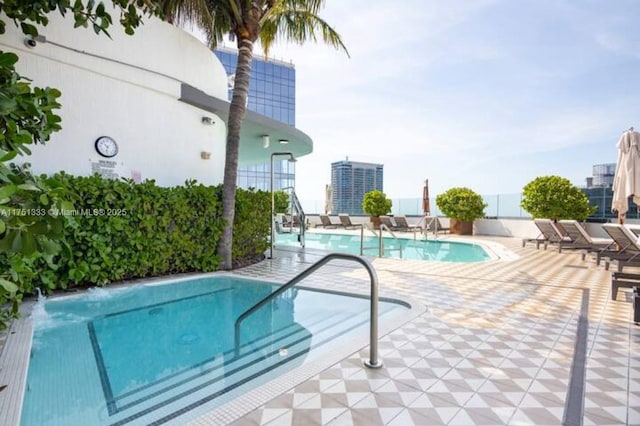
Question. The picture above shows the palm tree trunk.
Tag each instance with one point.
(237, 111)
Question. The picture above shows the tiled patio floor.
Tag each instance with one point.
(499, 344)
(532, 338)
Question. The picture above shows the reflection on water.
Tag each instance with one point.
(151, 350)
(446, 251)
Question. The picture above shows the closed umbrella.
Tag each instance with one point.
(626, 181)
(328, 199)
(426, 208)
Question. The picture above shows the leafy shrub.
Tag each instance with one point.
(251, 225)
(376, 203)
(27, 234)
(281, 201)
(461, 204)
(119, 230)
(29, 238)
(554, 197)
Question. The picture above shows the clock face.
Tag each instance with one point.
(106, 146)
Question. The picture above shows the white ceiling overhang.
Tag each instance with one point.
(254, 127)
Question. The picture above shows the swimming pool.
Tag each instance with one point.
(446, 251)
(165, 353)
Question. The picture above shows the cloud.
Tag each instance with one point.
(487, 94)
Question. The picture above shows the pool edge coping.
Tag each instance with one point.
(15, 354)
(14, 366)
(246, 403)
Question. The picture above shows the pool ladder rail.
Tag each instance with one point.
(431, 223)
(296, 208)
(373, 361)
(380, 246)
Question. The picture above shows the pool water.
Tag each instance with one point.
(446, 251)
(165, 353)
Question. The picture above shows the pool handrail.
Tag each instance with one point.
(384, 227)
(362, 247)
(373, 361)
(380, 247)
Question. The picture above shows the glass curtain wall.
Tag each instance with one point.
(272, 93)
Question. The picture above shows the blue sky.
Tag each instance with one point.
(484, 94)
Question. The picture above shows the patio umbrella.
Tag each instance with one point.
(328, 199)
(426, 208)
(626, 181)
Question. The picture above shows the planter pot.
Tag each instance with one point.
(375, 221)
(461, 227)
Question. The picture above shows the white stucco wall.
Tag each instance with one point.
(521, 228)
(159, 137)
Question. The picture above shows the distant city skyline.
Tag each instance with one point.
(483, 94)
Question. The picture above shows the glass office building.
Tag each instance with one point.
(600, 193)
(272, 93)
(350, 180)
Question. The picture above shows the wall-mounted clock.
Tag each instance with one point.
(106, 146)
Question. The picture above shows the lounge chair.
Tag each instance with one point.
(403, 225)
(345, 220)
(623, 279)
(325, 222)
(296, 222)
(582, 239)
(388, 222)
(541, 239)
(538, 241)
(432, 224)
(628, 251)
(549, 234)
(286, 221)
(283, 225)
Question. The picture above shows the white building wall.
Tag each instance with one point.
(126, 87)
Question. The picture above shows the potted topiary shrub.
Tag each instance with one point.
(462, 206)
(376, 204)
(556, 198)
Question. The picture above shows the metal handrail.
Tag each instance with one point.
(385, 227)
(424, 229)
(297, 208)
(430, 220)
(380, 240)
(302, 218)
(370, 229)
(373, 361)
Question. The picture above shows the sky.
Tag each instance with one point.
(487, 94)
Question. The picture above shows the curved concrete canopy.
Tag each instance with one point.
(254, 126)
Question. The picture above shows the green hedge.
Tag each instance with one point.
(120, 230)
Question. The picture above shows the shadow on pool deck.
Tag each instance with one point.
(510, 341)
(506, 341)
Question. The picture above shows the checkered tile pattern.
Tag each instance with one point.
(495, 347)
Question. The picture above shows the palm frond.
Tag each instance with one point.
(312, 6)
(236, 10)
(186, 12)
(214, 17)
(297, 25)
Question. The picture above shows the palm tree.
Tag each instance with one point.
(246, 21)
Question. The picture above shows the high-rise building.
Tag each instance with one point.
(350, 180)
(600, 193)
(272, 92)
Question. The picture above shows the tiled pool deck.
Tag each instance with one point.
(496, 346)
(531, 338)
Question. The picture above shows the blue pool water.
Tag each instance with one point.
(447, 251)
(165, 353)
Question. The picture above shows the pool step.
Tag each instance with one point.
(210, 366)
(215, 380)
